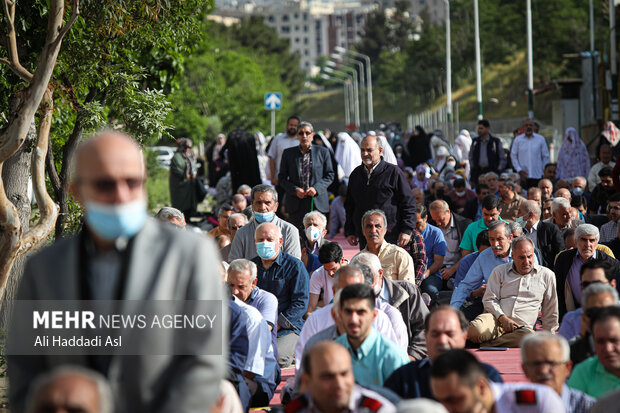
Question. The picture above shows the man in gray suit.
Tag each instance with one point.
(123, 255)
(305, 173)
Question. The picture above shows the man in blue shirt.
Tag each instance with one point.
(475, 281)
(445, 328)
(374, 356)
(285, 277)
(435, 245)
(472, 307)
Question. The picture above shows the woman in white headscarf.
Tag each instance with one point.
(462, 143)
(348, 153)
(388, 153)
(573, 159)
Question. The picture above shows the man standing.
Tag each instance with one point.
(264, 206)
(328, 376)
(453, 227)
(305, 173)
(529, 155)
(445, 328)
(510, 200)
(279, 143)
(376, 184)
(546, 360)
(285, 277)
(375, 357)
(569, 262)
(515, 293)
(112, 258)
(396, 262)
(486, 153)
(546, 237)
(604, 157)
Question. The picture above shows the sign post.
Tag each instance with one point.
(273, 102)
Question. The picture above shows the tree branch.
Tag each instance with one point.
(13, 61)
(48, 210)
(74, 15)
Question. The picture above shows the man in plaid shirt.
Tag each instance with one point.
(416, 249)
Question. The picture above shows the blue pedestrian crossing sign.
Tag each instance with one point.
(273, 101)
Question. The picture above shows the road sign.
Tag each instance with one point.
(273, 101)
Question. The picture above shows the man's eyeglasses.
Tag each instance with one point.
(107, 186)
(302, 133)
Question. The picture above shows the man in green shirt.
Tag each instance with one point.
(600, 374)
(490, 212)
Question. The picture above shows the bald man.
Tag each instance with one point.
(121, 254)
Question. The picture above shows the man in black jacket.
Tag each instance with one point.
(568, 265)
(472, 208)
(376, 184)
(453, 227)
(486, 153)
(546, 237)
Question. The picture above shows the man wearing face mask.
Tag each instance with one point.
(285, 277)
(264, 206)
(121, 254)
(315, 225)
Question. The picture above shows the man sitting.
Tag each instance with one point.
(515, 293)
(321, 280)
(546, 237)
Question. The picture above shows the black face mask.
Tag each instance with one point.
(440, 192)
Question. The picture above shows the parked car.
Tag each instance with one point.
(164, 155)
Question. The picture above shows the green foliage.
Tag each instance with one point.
(226, 78)
(157, 187)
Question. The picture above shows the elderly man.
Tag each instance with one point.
(546, 360)
(535, 194)
(578, 186)
(418, 194)
(459, 383)
(285, 277)
(609, 230)
(568, 265)
(315, 228)
(375, 357)
(600, 375)
(453, 227)
(529, 155)
(546, 188)
(305, 173)
(112, 258)
(402, 296)
(492, 181)
(491, 211)
(591, 272)
(510, 200)
(604, 157)
(561, 215)
(396, 262)
(546, 237)
(222, 218)
(324, 318)
(172, 216)
(475, 280)
(515, 293)
(328, 377)
(563, 193)
(264, 206)
(376, 184)
(445, 328)
(71, 389)
(234, 223)
(435, 246)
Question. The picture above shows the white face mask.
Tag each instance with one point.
(451, 164)
(460, 194)
(313, 233)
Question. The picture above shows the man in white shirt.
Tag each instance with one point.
(604, 157)
(529, 155)
(279, 143)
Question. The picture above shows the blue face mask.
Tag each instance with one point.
(114, 221)
(520, 221)
(264, 216)
(266, 249)
(577, 191)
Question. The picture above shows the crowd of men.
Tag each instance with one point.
(476, 246)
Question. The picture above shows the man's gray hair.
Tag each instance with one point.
(596, 289)
(244, 187)
(305, 124)
(264, 188)
(518, 240)
(541, 337)
(532, 206)
(106, 398)
(369, 277)
(166, 213)
(379, 140)
(420, 406)
(371, 212)
(559, 202)
(264, 224)
(497, 224)
(235, 215)
(586, 229)
(347, 269)
(369, 259)
(241, 265)
(489, 174)
(580, 178)
(439, 205)
(515, 228)
(311, 214)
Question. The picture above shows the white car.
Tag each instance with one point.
(164, 155)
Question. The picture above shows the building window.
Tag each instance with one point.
(296, 28)
(285, 29)
(296, 16)
(305, 16)
(285, 17)
(271, 19)
(306, 52)
(306, 29)
(305, 40)
(318, 25)
(297, 40)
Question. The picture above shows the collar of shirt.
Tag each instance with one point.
(369, 172)
(277, 261)
(366, 346)
(385, 294)
(506, 259)
(535, 226)
(308, 151)
(581, 260)
(534, 270)
(452, 224)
